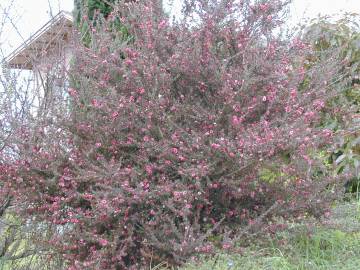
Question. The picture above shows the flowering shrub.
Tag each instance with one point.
(167, 136)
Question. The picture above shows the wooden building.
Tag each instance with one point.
(47, 53)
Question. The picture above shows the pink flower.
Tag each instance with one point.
(226, 246)
(319, 104)
(327, 132)
(149, 169)
(103, 242)
(141, 91)
(235, 120)
(72, 92)
(74, 220)
(167, 162)
(309, 116)
(264, 7)
(162, 24)
(215, 185)
(174, 150)
(145, 184)
(215, 146)
(128, 62)
(98, 144)
(96, 103)
(114, 115)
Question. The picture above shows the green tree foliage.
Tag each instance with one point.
(89, 13)
(341, 36)
(89, 7)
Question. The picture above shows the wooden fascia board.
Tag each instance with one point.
(56, 28)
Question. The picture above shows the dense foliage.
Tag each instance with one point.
(343, 37)
(184, 139)
(90, 7)
(88, 12)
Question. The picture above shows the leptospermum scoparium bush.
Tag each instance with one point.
(168, 133)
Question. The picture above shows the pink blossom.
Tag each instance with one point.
(149, 169)
(162, 24)
(114, 115)
(128, 62)
(72, 92)
(96, 103)
(215, 145)
(103, 242)
(141, 91)
(319, 104)
(235, 120)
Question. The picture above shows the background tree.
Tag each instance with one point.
(90, 7)
(343, 37)
(88, 12)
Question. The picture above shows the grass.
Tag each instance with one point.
(332, 245)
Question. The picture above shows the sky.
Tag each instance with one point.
(30, 15)
(312, 8)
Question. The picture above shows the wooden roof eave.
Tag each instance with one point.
(46, 37)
